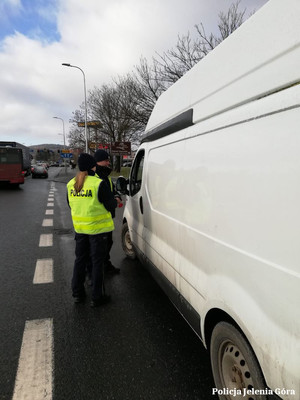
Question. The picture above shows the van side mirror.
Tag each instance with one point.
(121, 185)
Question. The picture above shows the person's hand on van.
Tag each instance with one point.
(119, 201)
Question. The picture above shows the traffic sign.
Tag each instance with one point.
(94, 124)
(92, 145)
(121, 148)
(95, 146)
(66, 155)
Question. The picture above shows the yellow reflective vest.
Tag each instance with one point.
(89, 216)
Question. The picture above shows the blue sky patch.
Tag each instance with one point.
(35, 19)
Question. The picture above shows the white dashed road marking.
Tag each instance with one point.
(46, 240)
(47, 222)
(43, 271)
(34, 379)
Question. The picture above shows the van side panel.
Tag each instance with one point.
(222, 223)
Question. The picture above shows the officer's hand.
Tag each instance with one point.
(119, 200)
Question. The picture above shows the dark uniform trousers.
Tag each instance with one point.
(107, 261)
(92, 247)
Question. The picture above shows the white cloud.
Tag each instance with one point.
(104, 39)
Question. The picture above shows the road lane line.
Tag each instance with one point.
(34, 379)
(43, 271)
(50, 204)
(46, 240)
(49, 212)
(47, 222)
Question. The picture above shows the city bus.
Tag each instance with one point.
(11, 165)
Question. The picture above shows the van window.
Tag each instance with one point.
(137, 173)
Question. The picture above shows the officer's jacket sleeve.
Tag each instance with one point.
(106, 197)
(67, 198)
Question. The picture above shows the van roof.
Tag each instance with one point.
(259, 58)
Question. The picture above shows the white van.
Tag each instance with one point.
(213, 207)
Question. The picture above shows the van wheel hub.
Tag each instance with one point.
(234, 368)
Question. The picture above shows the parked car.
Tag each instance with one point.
(43, 164)
(39, 171)
(54, 164)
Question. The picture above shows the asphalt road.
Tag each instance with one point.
(136, 347)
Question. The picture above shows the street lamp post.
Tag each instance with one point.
(63, 122)
(85, 106)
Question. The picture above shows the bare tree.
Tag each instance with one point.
(76, 135)
(116, 107)
(174, 63)
(109, 106)
(228, 23)
(154, 78)
(124, 106)
(150, 83)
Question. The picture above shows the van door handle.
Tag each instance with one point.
(141, 205)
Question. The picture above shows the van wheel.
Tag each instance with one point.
(126, 242)
(234, 364)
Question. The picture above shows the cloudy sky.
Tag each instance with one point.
(105, 38)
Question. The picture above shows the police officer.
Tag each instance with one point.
(103, 171)
(91, 202)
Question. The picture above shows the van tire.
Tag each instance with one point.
(234, 364)
(126, 242)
